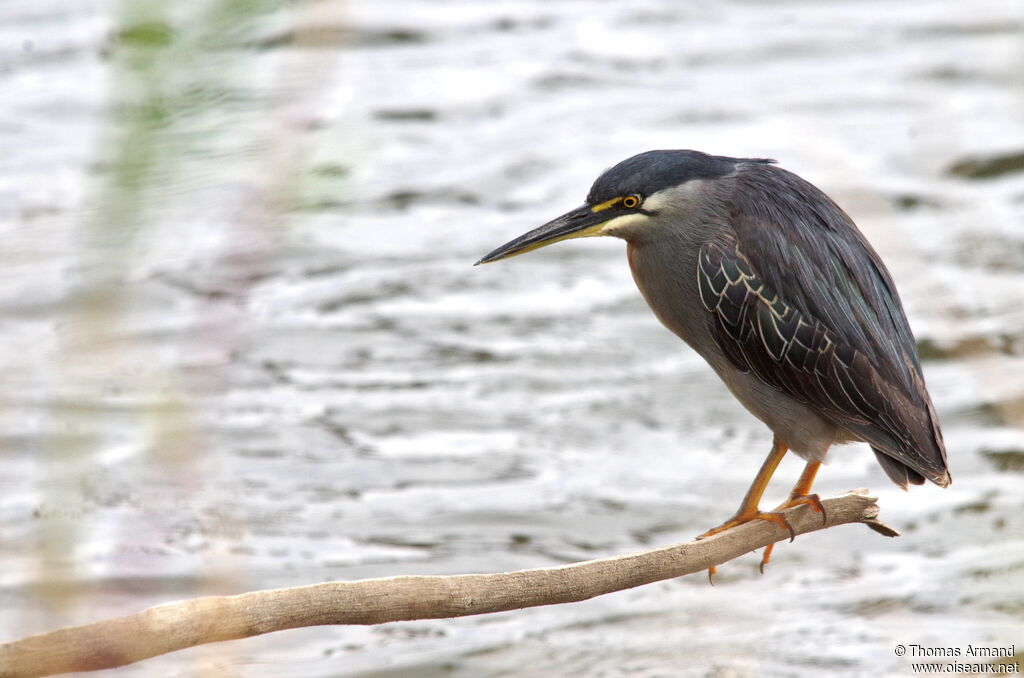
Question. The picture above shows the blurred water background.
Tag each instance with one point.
(244, 347)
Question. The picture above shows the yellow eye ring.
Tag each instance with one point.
(631, 201)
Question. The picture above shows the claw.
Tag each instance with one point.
(812, 500)
(746, 517)
(779, 520)
(743, 518)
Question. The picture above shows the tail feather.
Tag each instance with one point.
(903, 475)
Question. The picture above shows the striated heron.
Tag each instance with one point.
(776, 288)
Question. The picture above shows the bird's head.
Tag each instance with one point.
(629, 198)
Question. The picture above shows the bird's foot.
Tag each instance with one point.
(746, 516)
(812, 500)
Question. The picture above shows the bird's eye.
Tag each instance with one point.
(631, 201)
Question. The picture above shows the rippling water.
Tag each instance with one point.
(244, 346)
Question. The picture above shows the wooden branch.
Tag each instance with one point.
(175, 626)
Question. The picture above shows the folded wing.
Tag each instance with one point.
(801, 299)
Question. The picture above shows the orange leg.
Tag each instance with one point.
(800, 496)
(749, 507)
(749, 510)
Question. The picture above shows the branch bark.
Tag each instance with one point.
(175, 626)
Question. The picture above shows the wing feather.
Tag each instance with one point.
(802, 300)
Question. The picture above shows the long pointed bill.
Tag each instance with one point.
(582, 222)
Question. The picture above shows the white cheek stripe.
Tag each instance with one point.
(625, 221)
